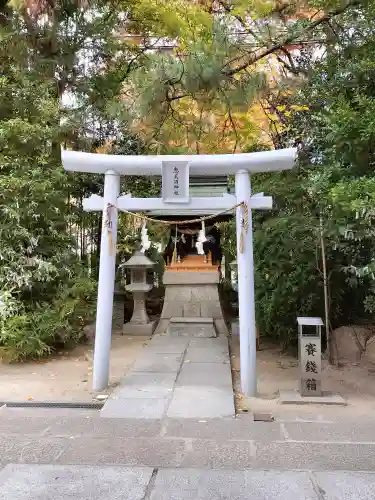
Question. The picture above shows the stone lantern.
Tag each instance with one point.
(139, 323)
(234, 275)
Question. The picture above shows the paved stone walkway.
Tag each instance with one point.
(176, 377)
(47, 482)
(53, 454)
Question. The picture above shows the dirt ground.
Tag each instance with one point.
(277, 371)
(68, 375)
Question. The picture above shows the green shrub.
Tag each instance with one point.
(37, 333)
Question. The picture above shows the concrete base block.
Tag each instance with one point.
(145, 330)
(295, 398)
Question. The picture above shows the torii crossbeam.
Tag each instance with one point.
(175, 171)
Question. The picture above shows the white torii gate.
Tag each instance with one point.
(175, 171)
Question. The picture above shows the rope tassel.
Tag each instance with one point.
(174, 256)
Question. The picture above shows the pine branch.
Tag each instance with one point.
(253, 58)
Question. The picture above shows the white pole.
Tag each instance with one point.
(103, 331)
(246, 296)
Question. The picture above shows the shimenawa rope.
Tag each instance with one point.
(245, 221)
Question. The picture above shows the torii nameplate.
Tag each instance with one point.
(175, 181)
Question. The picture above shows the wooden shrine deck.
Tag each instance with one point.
(192, 263)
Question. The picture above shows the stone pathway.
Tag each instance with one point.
(53, 454)
(47, 482)
(176, 377)
(169, 433)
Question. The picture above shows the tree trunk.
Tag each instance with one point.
(325, 288)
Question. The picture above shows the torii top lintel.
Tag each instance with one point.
(220, 164)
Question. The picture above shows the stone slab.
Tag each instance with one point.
(30, 426)
(207, 355)
(135, 408)
(223, 429)
(164, 340)
(215, 375)
(157, 362)
(205, 293)
(191, 310)
(192, 330)
(47, 482)
(164, 348)
(201, 402)
(315, 456)
(189, 278)
(295, 398)
(193, 484)
(172, 308)
(181, 294)
(104, 427)
(211, 308)
(148, 452)
(221, 341)
(209, 454)
(139, 330)
(142, 392)
(145, 385)
(23, 449)
(338, 432)
(346, 485)
(193, 320)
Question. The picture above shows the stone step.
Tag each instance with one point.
(211, 443)
(192, 327)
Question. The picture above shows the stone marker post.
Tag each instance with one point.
(310, 355)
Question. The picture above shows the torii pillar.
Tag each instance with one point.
(115, 165)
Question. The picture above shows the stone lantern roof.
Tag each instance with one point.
(138, 261)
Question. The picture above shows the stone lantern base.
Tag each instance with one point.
(145, 330)
(139, 323)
